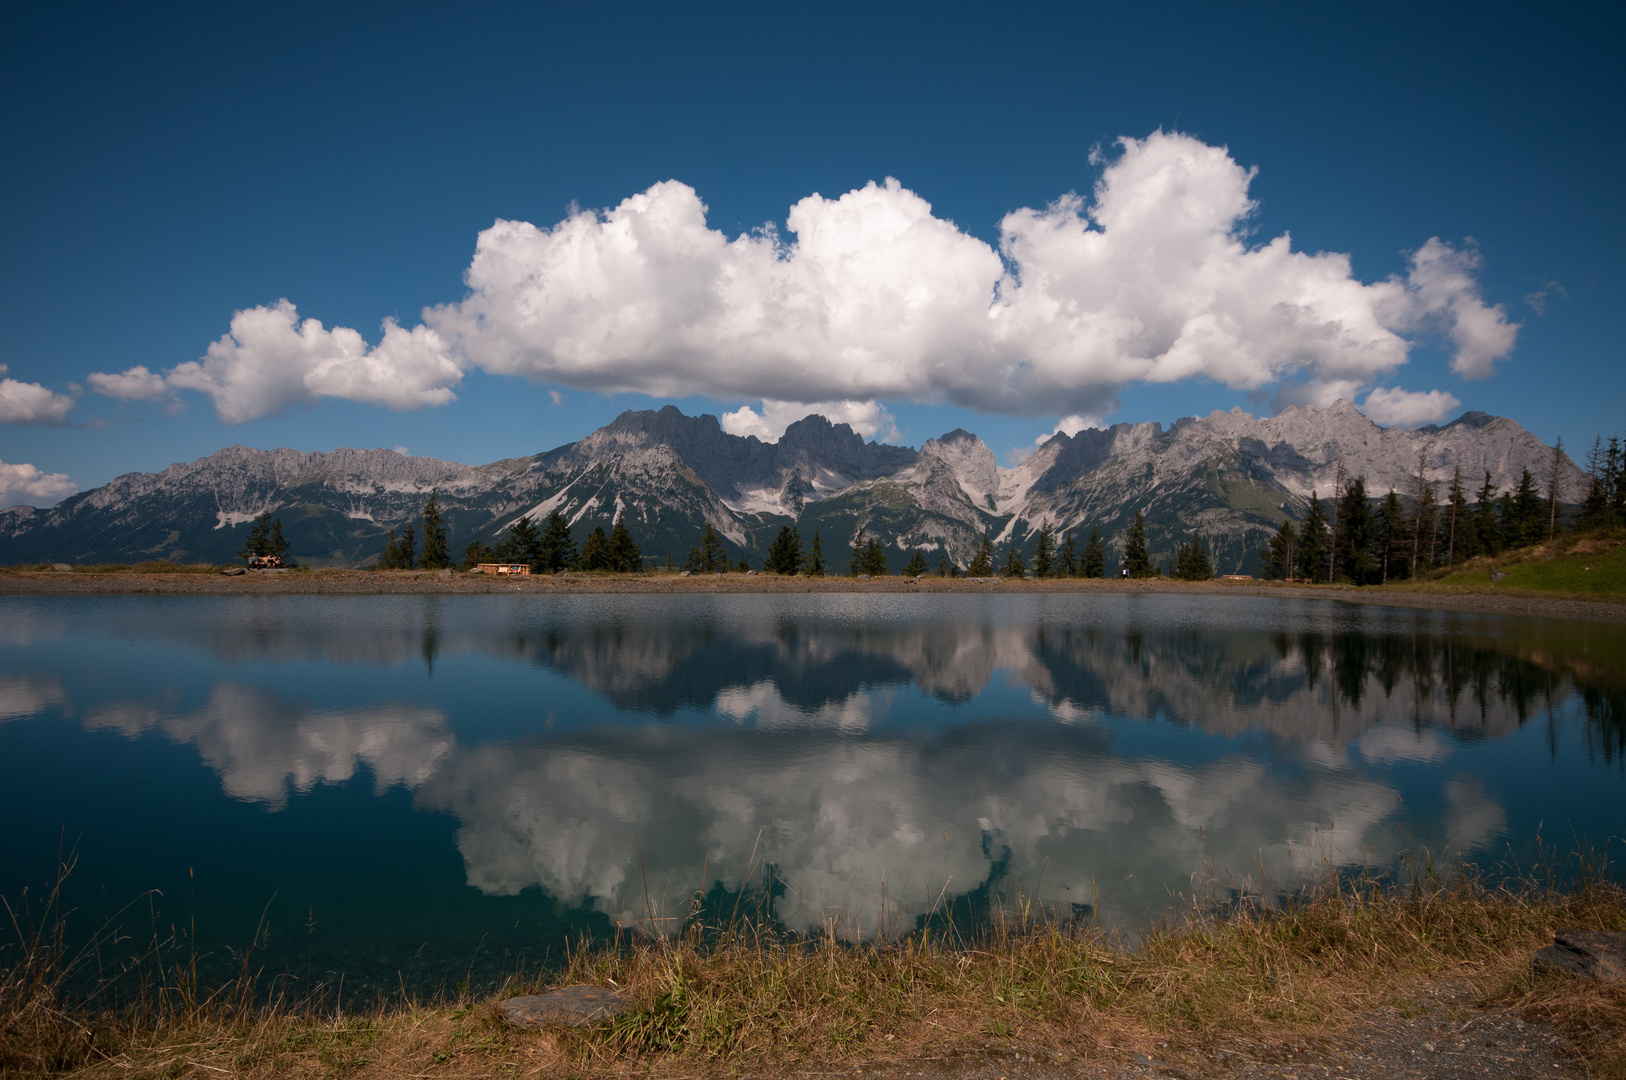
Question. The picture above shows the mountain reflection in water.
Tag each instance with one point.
(884, 755)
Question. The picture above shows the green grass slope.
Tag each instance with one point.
(1593, 567)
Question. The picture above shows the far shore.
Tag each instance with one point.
(334, 582)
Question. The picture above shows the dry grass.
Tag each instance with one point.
(713, 1002)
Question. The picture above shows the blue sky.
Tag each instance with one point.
(166, 169)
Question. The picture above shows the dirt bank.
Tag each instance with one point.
(396, 582)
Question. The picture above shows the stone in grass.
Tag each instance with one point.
(1592, 954)
(572, 1006)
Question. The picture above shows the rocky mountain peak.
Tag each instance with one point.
(973, 463)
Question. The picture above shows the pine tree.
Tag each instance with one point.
(625, 555)
(1192, 563)
(942, 562)
(785, 554)
(557, 546)
(1067, 558)
(1093, 564)
(1313, 541)
(856, 560)
(982, 564)
(1013, 567)
(1278, 556)
(916, 566)
(1136, 561)
(815, 562)
(1044, 553)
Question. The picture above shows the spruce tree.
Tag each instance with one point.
(1594, 508)
(710, 557)
(1397, 546)
(815, 561)
(557, 546)
(625, 555)
(475, 553)
(1487, 523)
(1013, 567)
(785, 554)
(1313, 541)
(872, 558)
(275, 544)
(942, 562)
(1358, 558)
(1278, 556)
(595, 554)
(524, 545)
(1527, 522)
(400, 552)
(436, 554)
(1044, 553)
(1456, 544)
(264, 538)
(1192, 563)
(982, 564)
(916, 565)
(1093, 564)
(1067, 557)
(1136, 561)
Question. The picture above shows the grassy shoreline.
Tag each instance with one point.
(719, 1003)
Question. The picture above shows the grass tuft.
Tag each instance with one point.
(737, 996)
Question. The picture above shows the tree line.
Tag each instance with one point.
(1052, 557)
(1355, 538)
(552, 548)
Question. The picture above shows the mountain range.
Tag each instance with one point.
(1228, 478)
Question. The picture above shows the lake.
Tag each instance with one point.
(414, 791)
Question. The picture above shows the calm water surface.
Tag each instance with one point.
(421, 789)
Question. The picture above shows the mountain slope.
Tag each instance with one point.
(1228, 478)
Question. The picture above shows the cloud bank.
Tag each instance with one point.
(25, 485)
(871, 297)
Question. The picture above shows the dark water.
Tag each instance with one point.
(422, 789)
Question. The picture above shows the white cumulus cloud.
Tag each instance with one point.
(870, 296)
(271, 360)
(1394, 407)
(31, 403)
(133, 384)
(25, 485)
